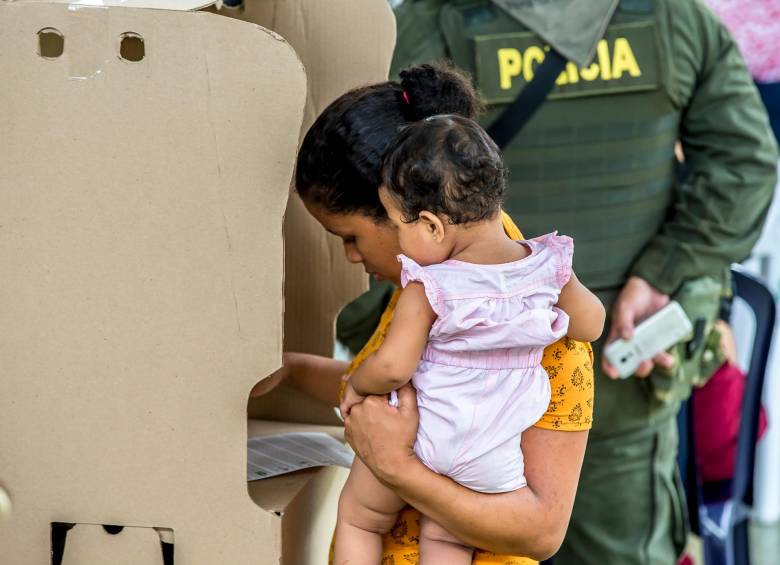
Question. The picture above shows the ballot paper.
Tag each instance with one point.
(270, 456)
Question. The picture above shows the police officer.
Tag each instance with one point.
(597, 162)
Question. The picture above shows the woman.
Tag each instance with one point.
(338, 177)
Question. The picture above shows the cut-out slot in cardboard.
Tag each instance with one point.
(51, 43)
(110, 544)
(131, 47)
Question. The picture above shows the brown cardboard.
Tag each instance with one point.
(307, 500)
(141, 251)
(344, 44)
(335, 50)
(140, 225)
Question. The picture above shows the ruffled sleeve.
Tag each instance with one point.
(412, 272)
(562, 248)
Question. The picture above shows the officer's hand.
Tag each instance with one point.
(727, 342)
(637, 301)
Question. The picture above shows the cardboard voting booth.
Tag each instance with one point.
(150, 279)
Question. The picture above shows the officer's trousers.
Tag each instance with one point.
(630, 505)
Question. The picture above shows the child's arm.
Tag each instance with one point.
(586, 312)
(393, 364)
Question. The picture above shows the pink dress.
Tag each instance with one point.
(480, 382)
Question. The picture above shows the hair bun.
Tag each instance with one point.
(439, 88)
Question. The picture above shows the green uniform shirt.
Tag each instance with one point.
(596, 162)
(667, 70)
(716, 215)
(718, 212)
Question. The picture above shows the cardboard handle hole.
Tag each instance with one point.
(131, 47)
(167, 553)
(51, 43)
(59, 533)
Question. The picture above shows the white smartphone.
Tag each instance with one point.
(659, 332)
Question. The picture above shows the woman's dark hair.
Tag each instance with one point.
(447, 165)
(340, 161)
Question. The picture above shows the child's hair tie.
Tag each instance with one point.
(405, 96)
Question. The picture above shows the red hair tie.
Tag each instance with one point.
(405, 96)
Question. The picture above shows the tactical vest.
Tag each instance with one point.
(597, 160)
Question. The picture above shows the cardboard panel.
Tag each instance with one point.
(306, 501)
(313, 511)
(277, 493)
(347, 43)
(343, 44)
(141, 249)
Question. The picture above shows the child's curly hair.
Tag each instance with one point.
(448, 165)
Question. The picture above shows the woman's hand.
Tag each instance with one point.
(276, 378)
(383, 436)
(315, 375)
(350, 399)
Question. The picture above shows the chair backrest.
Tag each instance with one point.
(760, 300)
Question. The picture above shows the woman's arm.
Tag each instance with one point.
(530, 521)
(393, 364)
(585, 310)
(315, 375)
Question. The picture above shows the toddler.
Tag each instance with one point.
(476, 312)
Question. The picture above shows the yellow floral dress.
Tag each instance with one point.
(569, 365)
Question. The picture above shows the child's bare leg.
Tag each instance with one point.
(440, 547)
(367, 509)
